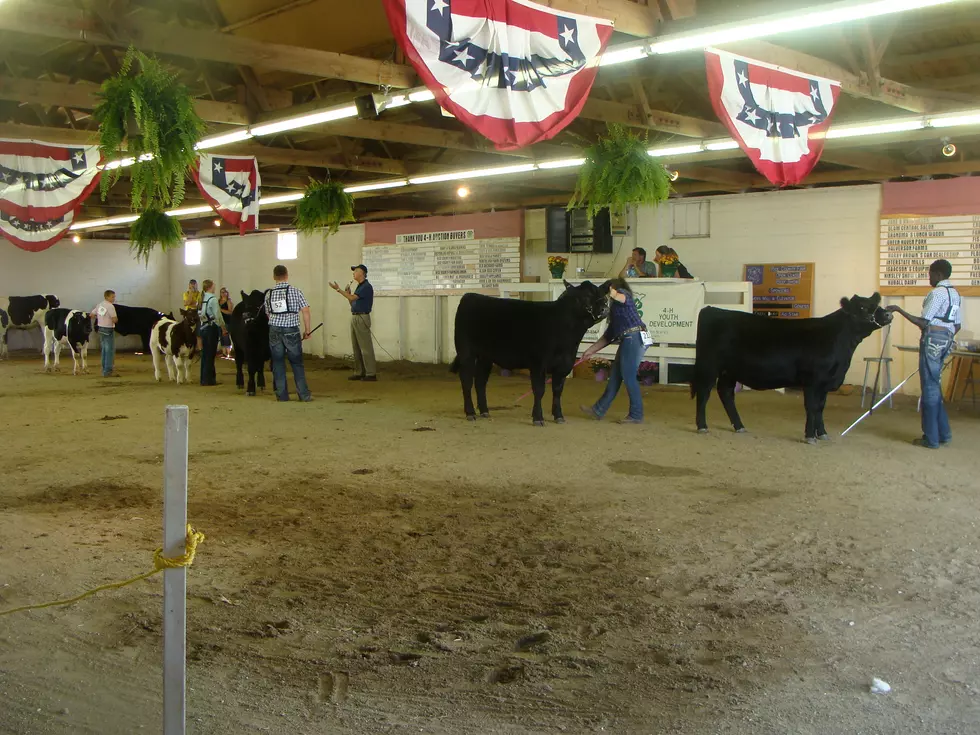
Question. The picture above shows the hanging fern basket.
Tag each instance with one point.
(618, 172)
(146, 111)
(152, 227)
(325, 205)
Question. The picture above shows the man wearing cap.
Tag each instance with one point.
(361, 303)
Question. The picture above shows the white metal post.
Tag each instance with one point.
(175, 448)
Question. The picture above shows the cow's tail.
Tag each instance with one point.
(454, 366)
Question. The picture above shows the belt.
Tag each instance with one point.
(939, 328)
(631, 330)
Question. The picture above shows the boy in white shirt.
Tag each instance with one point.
(105, 320)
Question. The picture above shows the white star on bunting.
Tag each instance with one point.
(568, 34)
(463, 57)
(439, 6)
(742, 78)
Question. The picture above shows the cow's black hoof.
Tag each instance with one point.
(811, 440)
(743, 430)
(485, 415)
(539, 423)
(471, 418)
(560, 420)
(823, 437)
(252, 393)
(702, 431)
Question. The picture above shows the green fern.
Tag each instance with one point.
(168, 129)
(617, 172)
(324, 205)
(153, 226)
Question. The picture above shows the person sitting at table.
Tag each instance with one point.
(940, 321)
(637, 266)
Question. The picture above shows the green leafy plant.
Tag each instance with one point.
(617, 172)
(153, 226)
(325, 204)
(146, 108)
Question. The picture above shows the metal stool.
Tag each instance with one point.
(887, 377)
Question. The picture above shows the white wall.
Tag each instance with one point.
(78, 275)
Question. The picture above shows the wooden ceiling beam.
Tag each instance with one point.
(37, 18)
(629, 17)
(941, 54)
(868, 161)
(667, 122)
(718, 175)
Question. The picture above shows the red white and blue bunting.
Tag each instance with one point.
(231, 185)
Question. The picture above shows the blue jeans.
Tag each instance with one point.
(933, 349)
(107, 338)
(209, 346)
(624, 368)
(287, 342)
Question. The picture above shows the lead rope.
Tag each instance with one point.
(881, 357)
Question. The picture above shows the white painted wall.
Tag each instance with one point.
(78, 275)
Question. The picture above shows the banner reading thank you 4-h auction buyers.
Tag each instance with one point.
(669, 309)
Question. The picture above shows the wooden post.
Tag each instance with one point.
(175, 447)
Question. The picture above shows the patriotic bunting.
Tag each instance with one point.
(514, 71)
(778, 117)
(42, 185)
(231, 184)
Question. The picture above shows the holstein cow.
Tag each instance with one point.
(249, 329)
(764, 353)
(23, 312)
(177, 342)
(540, 336)
(4, 322)
(138, 320)
(67, 327)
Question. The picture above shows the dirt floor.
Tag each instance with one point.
(376, 564)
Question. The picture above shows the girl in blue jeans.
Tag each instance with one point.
(626, 327)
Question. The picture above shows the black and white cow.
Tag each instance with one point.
(4, 323)
(177, 342)
(764, 353)
(249, 328)
(69, 327)
(540, 336)
(26, 311)
(138, 320)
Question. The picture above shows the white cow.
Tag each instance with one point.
(69, 327)
(177, 342)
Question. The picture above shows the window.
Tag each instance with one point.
(287, 246)
(692, 219)
(192, 252)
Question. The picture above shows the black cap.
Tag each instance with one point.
(361, 266)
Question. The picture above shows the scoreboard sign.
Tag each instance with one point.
(781, 290)
(910, 244)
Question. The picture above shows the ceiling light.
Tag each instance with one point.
(623, 54)
(124, 220)
(375, 186)
(883, 128)
(305, 121)
(949, 150)
(423, 95)
(217, 223)
(674, 175)
(203, 209)
(966, 118)
(679, 150)
(561, 163)
(721, 145)
(76, 239)
(119, 163)
(836, 13)
(474, 174)
(281, 198)
(214, 141)
(462, 192)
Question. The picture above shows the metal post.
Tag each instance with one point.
(175, 447)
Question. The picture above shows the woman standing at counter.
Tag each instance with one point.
(670, 263)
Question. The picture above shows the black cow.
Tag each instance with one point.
(26, 311)
(540, 336)
(67, 327)
(138, 320)
(764, 353)
(4, 323)
(249, 329)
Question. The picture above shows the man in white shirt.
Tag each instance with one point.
(940, 321)
(105, 318)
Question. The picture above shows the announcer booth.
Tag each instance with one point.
(669, 307)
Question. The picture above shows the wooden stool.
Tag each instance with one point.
(970, 381)
(887, 377)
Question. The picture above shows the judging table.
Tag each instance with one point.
(961, 375)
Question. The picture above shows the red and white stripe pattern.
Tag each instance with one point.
(514, 71)
(231, 185)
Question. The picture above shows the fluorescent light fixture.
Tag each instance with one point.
(281, 198)
(965, 118)
(721, 145)
(305, 121)
(192, 252)
(474, 174)
(120, 163)
(398, 100)
(375, 186)
(423, 95)
(123, 220)
(623, 54)
(855, 131)
(236, 136)
(679, 150)
(834, 14)
(561, 163)
(189, 210)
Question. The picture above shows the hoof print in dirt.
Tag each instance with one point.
(273, 630)
(423, 428)
(534, 640)
(506, 674)
(333, 687)
(113, 418)
(404, 659)
(363, 471)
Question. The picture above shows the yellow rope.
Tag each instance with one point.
(160, 563)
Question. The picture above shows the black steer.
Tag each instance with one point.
(764, 353)
(138, 320)
(67, 327)
(540, 336)
(249, 329)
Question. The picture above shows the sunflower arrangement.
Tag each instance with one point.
(557, 265)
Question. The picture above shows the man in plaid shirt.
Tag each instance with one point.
(285, 304)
